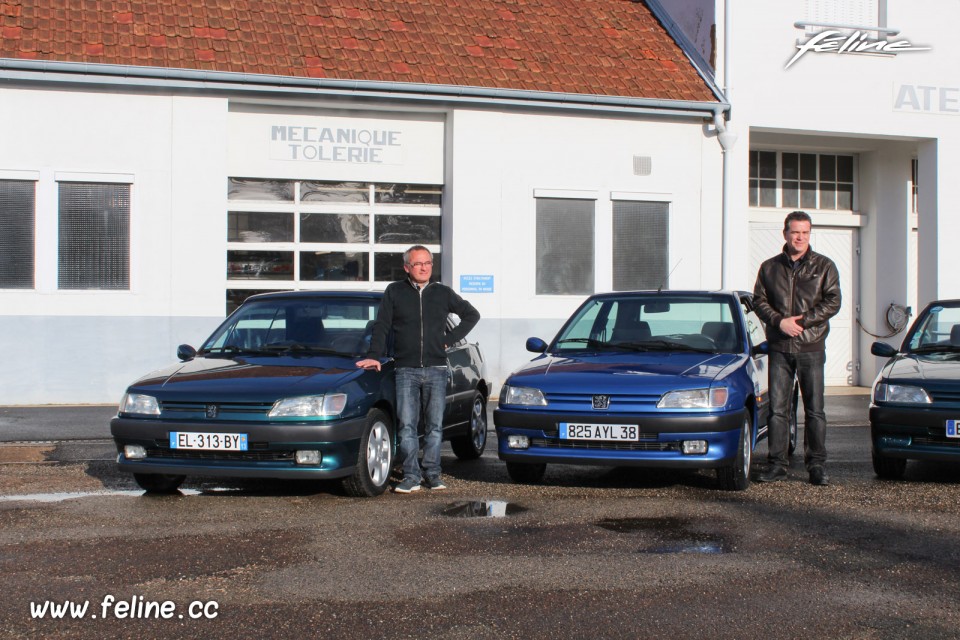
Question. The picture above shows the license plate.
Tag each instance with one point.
(952, 429)
(208, 441)
(608, 432)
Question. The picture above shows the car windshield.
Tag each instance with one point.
(296, 325)
(653, 322)
(937, 331)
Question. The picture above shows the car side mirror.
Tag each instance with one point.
(761, 349)
(536, 345)
(186, 352)
(882, 349)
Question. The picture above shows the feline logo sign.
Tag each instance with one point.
(832, 41)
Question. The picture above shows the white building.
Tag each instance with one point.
(153, 171)
(847, 109)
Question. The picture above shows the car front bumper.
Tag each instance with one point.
(270, 451)
(917, 433)
(659, 444)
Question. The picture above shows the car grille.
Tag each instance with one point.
(647, 442)
(936, 442)
(619, 403)
(945, 396)
(226, 456)
(225, 410)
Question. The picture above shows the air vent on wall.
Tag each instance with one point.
(642, 165)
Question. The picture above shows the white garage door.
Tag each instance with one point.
(838, 244)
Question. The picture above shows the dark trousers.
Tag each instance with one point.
(808, 370)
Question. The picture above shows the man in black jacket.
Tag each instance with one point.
(416, 310)
(796, 294)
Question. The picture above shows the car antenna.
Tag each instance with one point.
(660, 288)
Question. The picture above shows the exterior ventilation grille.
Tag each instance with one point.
(642, 165)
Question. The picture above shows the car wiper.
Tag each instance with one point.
(287, 347)
(231, 349)
(937, 348)
(590, 342)
(665, 345)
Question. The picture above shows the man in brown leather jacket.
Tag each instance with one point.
(796, 294)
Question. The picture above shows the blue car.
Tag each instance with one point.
(274, 392)
(915, 408)
(670, 379)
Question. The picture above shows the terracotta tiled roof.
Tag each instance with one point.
(598, 47)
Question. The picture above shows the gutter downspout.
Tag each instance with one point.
(727, 139)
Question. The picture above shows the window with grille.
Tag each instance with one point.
(17, 224)
(640, 243)
(565, 246)
(802, 180)
(94, 236)
(310, 234)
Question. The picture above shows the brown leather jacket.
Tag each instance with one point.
(811, 290)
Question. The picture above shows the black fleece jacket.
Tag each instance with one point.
(419, 322)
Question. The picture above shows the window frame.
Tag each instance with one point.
(754, 192)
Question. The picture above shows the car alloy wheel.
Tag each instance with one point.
(374, 459)
(470, 446)
(736, 477)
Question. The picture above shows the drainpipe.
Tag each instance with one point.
(727, 139)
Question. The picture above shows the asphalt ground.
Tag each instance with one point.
(591, 553)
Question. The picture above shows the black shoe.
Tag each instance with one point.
(819, 477)
(773, 474)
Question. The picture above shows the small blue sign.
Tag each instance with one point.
(476, 284)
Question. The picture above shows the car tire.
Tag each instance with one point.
(888, 468)
(526, 473)
(470, 446)
(374, 458)
(736, 477)
(792, 421)
(158, 482)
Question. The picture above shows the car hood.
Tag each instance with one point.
(249, 377)
(938, 366)
(609, 373)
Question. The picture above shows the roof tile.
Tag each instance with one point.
(598, 47)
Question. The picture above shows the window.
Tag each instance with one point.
(94, 236)
(801, 180)
(310, 234)
(640, 242)
(914, 185)
(565, 242)
(17, 212)
(845, 13)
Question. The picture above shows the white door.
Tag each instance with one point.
(838, 244)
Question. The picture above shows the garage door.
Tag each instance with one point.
(839, 244)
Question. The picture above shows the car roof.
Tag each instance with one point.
(670, 292)
(314, 295)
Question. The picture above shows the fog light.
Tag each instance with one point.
(307, 456)
(694, 447)
(518, 442)
(134, 452)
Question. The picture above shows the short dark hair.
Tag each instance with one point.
(801, 216)
(416, 247)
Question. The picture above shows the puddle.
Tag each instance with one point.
(482, 509)
(668, 535)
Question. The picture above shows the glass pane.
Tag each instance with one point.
(236, 296)
(768, 193)
(828, 196)
(808, 195)
(565, 242)
(334, 227)
(845, 197)
(334, 265)
(388, 266)
(640, 245)
(407, 194)
(768, 164)
(248, 226)
(790, 194)
(828, 168)
(845, 168)
(808, 166)
(17, 207)
(407, 230)
(754, 164)
(94, 236)
(260, 265)
(257, 189)
(754, 197)
(790, 169)
(334, 192)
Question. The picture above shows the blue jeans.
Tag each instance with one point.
(421, 392)
(808, 369)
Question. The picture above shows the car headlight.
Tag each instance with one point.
(714, 398)
(325, 405)
(526, 396)
(139, 404)
(905, 393)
